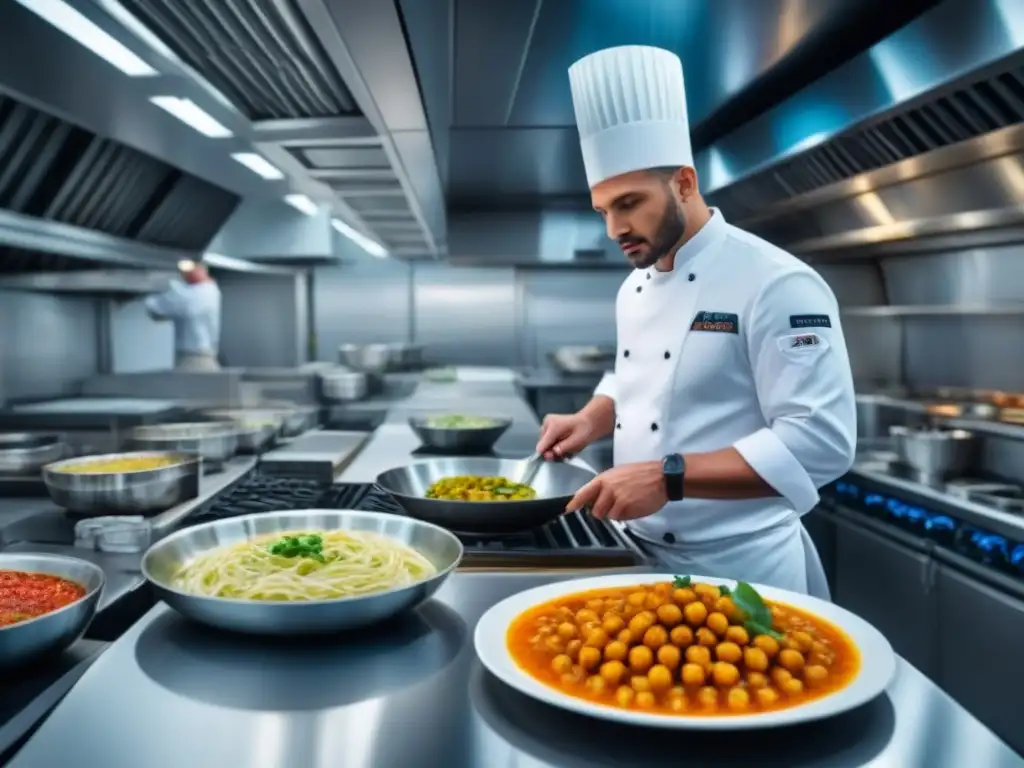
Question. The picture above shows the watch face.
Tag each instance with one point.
(672, 464)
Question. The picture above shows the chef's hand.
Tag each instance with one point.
(563, 434)
(625, 492)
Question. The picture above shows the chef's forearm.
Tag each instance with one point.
(723, 474)
(600, 412)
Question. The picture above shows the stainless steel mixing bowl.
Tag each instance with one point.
(215, 441)
(473, 440)
(166, 557)
(25, 454)
(124, 493)
(27, 641)
(556, 483)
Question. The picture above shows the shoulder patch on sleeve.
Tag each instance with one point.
(810, 321)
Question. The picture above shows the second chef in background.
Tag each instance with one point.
(732, 400)
(193, 305)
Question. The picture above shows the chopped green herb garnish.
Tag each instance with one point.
(757, 616)
(308, 545)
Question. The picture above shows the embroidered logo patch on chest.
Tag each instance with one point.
(716, 322)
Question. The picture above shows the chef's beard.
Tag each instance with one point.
(670, 231)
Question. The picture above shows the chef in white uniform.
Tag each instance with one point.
(732, 399)
(193, 305)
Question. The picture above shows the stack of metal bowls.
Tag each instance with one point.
(124, 493)
(28, 641)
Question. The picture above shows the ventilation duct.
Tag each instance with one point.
(263, 57)
(882, 150)
(52, 172)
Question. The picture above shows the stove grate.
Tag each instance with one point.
(576, 538)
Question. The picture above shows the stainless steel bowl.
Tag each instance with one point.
(215, 441)
(368, 358)
(124, 493)
(341, 386)
(254, 436)
(166, 557)
(473, 440)
(25, 454)
(50, 633)
(934, 452)
(556, 483)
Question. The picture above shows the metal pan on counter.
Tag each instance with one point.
(138, 483)
(340, 385)
(28, 631)
(554, 486)
(452, 433)
(25, 453)
(286, 590)
(215, 441)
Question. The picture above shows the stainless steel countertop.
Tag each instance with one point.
(413, 693)
(393, 443)
(28, 694)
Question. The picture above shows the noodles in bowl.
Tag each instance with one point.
(299, 566)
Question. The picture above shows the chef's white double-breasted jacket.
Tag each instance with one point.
(739, 345)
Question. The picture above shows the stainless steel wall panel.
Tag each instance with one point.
(47, 344)
(362, 302)
(263, 320)
(566, 308)
(977, 276)
(466, 315)
(966, 350)
(137, 342)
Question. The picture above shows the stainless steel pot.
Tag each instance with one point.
(934, 452)
(124, 493)
(50, 633)
(25, 454)
(215, 441)
(166, 557)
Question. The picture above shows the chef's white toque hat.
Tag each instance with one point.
(630, 107)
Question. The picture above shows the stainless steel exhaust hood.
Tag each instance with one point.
(66, 192)
(918, 138)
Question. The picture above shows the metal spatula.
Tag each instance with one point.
(533, 465)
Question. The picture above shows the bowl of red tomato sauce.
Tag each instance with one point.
(46, 603)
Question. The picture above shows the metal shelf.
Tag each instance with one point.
(925, 310)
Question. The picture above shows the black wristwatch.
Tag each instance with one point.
(673, 469)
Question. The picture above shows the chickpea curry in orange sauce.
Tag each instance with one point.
(682, 648)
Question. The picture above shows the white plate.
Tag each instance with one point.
(878, 662)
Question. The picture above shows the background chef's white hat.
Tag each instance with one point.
(630, 107)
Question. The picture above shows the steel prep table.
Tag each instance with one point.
(413, 693)
(169, 693)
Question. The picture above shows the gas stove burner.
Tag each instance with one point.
(261, 493)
